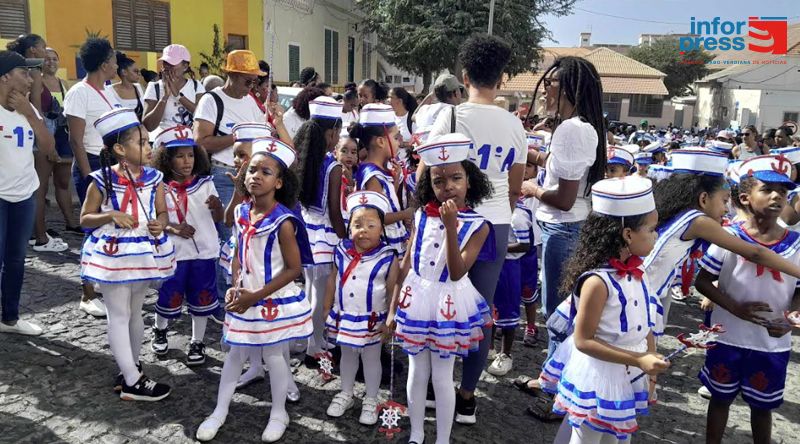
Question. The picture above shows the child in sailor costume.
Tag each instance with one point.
(437, 315)
(357, 301)
(596, 388)
(282, 315)
(127, 250)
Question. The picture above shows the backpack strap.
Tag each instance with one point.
(453, 120)
(158, 91)
(220, 111)
(194, 83)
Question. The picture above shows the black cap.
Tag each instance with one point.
(11, 59)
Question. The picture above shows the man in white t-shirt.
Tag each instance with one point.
(448, 91)
(500, 151)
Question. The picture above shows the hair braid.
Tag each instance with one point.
(106, 161)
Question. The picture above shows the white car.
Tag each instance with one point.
(286, 95)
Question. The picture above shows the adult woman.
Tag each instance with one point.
(172, 100)
(576, 160)
(22, 127)
(749, 146)
(53, 92)
(349, 104)
(768, 139)
(370, 91)
(31, 46)
(128, 91)
(299, 113)
(404, 105)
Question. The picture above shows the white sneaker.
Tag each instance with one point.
(677, 294)
(369, 411)
(95, 307)
(209, 428)
(53, 245)
(21, 328)
(704, 392)
(293, 396)
(492, 354)
(501, 365)
(275, 429)
(340, 404)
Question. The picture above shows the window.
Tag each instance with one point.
(612, 103)
(294, 62)
(790, 116)
(388, 79)
(351, 59)
(236, 41)
(141, 25)
(331, 56)
(366, 61)
(14, 18)
(406, 79)
(645, 105)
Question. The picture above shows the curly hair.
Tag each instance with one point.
(600, 240)
(680, 192)
(311, 147)
(479, 186)
(286, 195)
(94, 52)
(484, 57)
(162, 161)
(300, 103)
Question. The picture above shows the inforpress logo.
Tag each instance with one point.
(766, 35)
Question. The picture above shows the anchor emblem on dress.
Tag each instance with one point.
(444, 155)
(270, 310)
(111, 247)
(448, 315)
(363, 199)
(406, 294)
(373, 319)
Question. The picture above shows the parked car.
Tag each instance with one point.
(286, 95)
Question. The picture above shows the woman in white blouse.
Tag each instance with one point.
(128, 91)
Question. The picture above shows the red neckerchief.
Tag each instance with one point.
(630, 267)
(260, 105)
(248, 231)
(343, 192)
(128, 198)
(432, 209)
(354, 263)
(102, 96)
(182, 201)
(688, 270)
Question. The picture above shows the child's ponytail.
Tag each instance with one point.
(311, 145)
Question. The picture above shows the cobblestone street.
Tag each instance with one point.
(57, 387)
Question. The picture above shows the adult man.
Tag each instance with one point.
(448, 92)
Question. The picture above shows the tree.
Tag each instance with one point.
(218, 57)
(423, 37)
(681, 69)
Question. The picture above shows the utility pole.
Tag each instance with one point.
(491, 15)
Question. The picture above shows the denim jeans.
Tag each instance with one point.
(16, 225)
(224, 188)
(558, 243)
(82, 183)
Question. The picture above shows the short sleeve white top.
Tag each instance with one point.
(292, 122)
(174, 112)
(498, 143)
(18, 179)
(85, 102)
(128, 103)
(193, 209)
(235, 111)
(573, 150)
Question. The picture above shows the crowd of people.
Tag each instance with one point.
(352, 223)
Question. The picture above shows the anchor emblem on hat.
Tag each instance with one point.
(406, 294)
(783, 166)
(270, 310)
(363, 199)
(444, 156)
(272, 147)
(182, 132)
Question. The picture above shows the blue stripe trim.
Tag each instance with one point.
(372, 275)
(423, 219)
(283, 319)
(623, 317)
(627, 404)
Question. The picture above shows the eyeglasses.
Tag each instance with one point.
(251, 82)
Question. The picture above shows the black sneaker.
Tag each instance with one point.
(430, 398)
(196, 355)
(465, 410)
(159, 344)
(145, 389)
(311, 362)
(120, 379)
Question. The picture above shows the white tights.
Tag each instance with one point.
(279, 377)
(583, 435)
(125, 325)
(254, 356)
(371, 358)
(316, 280)
(440, 370)
(198, 326)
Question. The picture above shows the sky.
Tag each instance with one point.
(674, 13)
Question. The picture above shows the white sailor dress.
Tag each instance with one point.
(396, 233)
(435, 312)
(321, 235)
(601, 394)
(114, 255)
(283, 315)
(360, 299)
(663, 263)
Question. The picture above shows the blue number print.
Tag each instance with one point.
(508, 162)
(20, 133)
(484, 152)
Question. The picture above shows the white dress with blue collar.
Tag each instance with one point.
(396, 233)
(321, 235)
(435, 312)
(360, 299)
(113, 255)
(283, 315)
(597, 393)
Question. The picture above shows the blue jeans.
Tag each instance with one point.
(484, 275)
(16, 225)
(82, 183)
(224, 188)
(558, 243)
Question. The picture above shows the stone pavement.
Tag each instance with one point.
(56, 388)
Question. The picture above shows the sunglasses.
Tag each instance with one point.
(251, 82)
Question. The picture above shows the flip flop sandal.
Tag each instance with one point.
(542, 410)
(521, 383)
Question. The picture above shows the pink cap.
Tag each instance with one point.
(175, 54)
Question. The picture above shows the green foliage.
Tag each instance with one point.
(681, 69)
(218, 57)
(423, 36)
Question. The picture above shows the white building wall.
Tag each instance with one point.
(774, 104)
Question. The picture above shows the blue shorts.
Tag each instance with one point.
(760, 376)
(194, 280)
(507, 296)
(529, 276)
